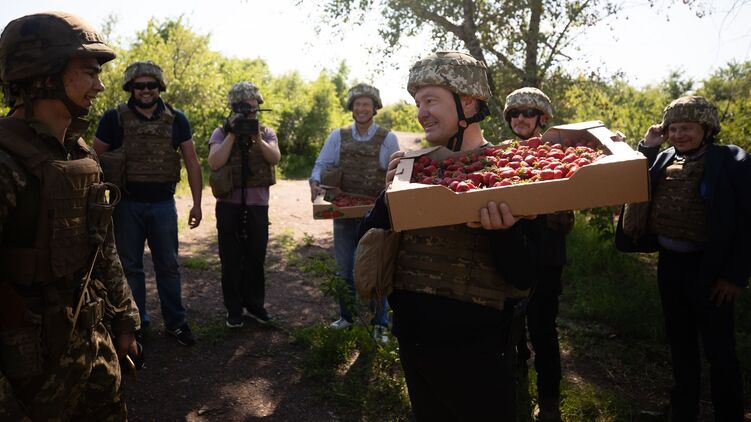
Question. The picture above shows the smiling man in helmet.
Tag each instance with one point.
(148, 132)
(358, 154)
(451, 284)
(698, 221)
(57, 361)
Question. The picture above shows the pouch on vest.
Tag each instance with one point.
(113, 166)
(635, 218)
(103, 197)
(332, 176)
(221, 182)
(375, 262)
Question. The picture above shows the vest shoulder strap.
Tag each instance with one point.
(14, 138)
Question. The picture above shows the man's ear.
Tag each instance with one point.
(469, 105)
(543, 120)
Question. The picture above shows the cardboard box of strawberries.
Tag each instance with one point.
(333, 204)
(570, 167)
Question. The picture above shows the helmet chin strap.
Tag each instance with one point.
(58, 92)
(455, 142)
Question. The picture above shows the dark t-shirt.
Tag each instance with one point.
(110, 131)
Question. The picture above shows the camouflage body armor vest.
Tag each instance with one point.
(454, 262)
(150, 156)
(261, 172)
(678, 211)
(359, 160)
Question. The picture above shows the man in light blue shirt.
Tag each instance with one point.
(358, 156)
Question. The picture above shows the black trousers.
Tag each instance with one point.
(243, 257)
(689, 315)
(542, 312)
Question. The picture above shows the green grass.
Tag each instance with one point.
(196, 263)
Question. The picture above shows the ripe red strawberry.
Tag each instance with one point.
(476, 178)
(462, 187)
(533, 142)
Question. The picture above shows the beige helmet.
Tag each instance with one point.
(526, 98)
(40, 45)
(457, 71)
(364, 90)
(243, 91)
(692, 108)
(147, 68)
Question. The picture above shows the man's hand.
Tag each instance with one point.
(723, 292)
(393, 163)
(495, 217)
(654, 136)
(126, 343)
(315, 190)
(194, 218)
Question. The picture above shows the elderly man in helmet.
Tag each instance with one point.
(455, 286)
(61, 284)
(358, 155)
(243, 155)
(145, 133)
(698, 221)
(527, 110)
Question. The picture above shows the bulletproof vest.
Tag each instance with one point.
(678, 211)
(150, 155)
(261, 173)
(454, 262)
(359, 160)
(62, 243)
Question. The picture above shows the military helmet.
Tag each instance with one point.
(528, 97)
(364, 90)
(457, 71)
(243, 91)
(40, 44)
(147, 68)
(692, 108)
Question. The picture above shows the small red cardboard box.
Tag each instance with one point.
(324, 209)
(619, 177)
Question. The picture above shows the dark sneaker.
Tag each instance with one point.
(260, 315)
(234, 322)
(183, 335)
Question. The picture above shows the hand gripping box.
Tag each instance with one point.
(619, 177)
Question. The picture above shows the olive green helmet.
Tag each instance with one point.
(526, 98)
(243, 91)
(147, 68)
(692, 108)
(459, 72)
(364, 90)
(39, 45)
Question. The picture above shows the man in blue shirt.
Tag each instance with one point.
(359, 155)
(148, 132)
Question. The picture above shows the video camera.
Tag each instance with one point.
(244, 125)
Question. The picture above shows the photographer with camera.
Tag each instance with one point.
(242, 155)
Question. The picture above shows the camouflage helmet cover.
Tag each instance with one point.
(692, 108)
(40, 44)
(364, 90)
(147, 68)
(243, 91)
(528, 97)
(457, 71)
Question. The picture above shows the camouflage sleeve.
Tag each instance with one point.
(10, 410)
(108, 270)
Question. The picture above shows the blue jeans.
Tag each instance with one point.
(155, 222)
(345, 244)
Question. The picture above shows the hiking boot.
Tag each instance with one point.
(381, 334)
(183, 335)
(340, 323)
(260, 315)
(234, 321)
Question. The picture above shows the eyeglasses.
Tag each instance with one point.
(145, 85)
(527, 112)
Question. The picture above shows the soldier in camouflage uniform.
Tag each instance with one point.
(242, 216)
(358, 155)
(527, 110)
(140, 138)
(698, 221)
(454, 286)
(57, 359)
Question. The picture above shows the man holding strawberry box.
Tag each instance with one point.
(452, 285)
(357, 155)
(527, 110)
